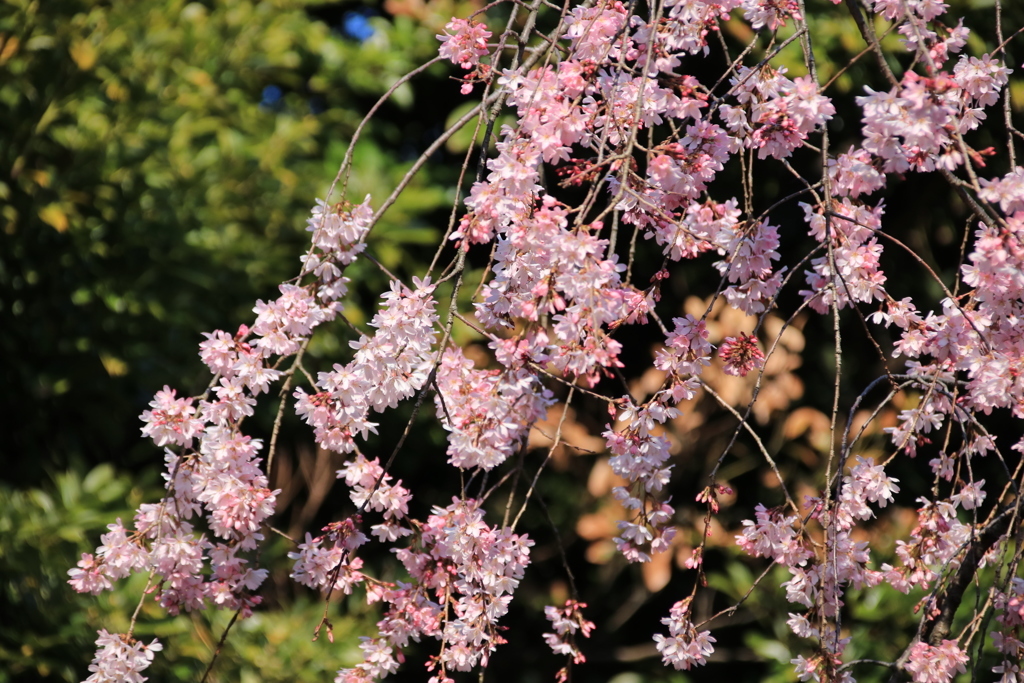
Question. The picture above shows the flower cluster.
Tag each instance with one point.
(221, 481)
(372, 490)
(740, 354)
(239, 366)
(388, 367)
(217, 484)
(316, 564)
(774, 114)
(1008, 639)
(282, 324)
(774, 535)
(121, 659)
(339, 235)
(936, 540)
(464, 42)
(596, 33)
(770, 13)
(543, 267)
(938, 664)
(463, 574)
(819, 579)
(566, 622)
(684, 646)
(640, 456)
(171, 419)
(487, 413)
(851, 272)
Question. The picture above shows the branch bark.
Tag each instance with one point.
(947, 602)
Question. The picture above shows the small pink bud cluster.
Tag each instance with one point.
(709, 496)
(566, 622)
(740, 354)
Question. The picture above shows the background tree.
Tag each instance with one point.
(156, 156)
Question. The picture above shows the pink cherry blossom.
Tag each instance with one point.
(566, 622)
(464, 42)
(939, 664)
(740, 354)
(121, 658)
(171, 419)
(684, 646)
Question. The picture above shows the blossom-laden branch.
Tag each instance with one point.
(602, 101)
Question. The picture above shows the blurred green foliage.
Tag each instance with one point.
(42, 531)
(48, 631)
(159, 160)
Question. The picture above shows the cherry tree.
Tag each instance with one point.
(616, 146)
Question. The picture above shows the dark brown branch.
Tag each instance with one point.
(220, 645)
(947, 602)
(936, 630)
(869, 37)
